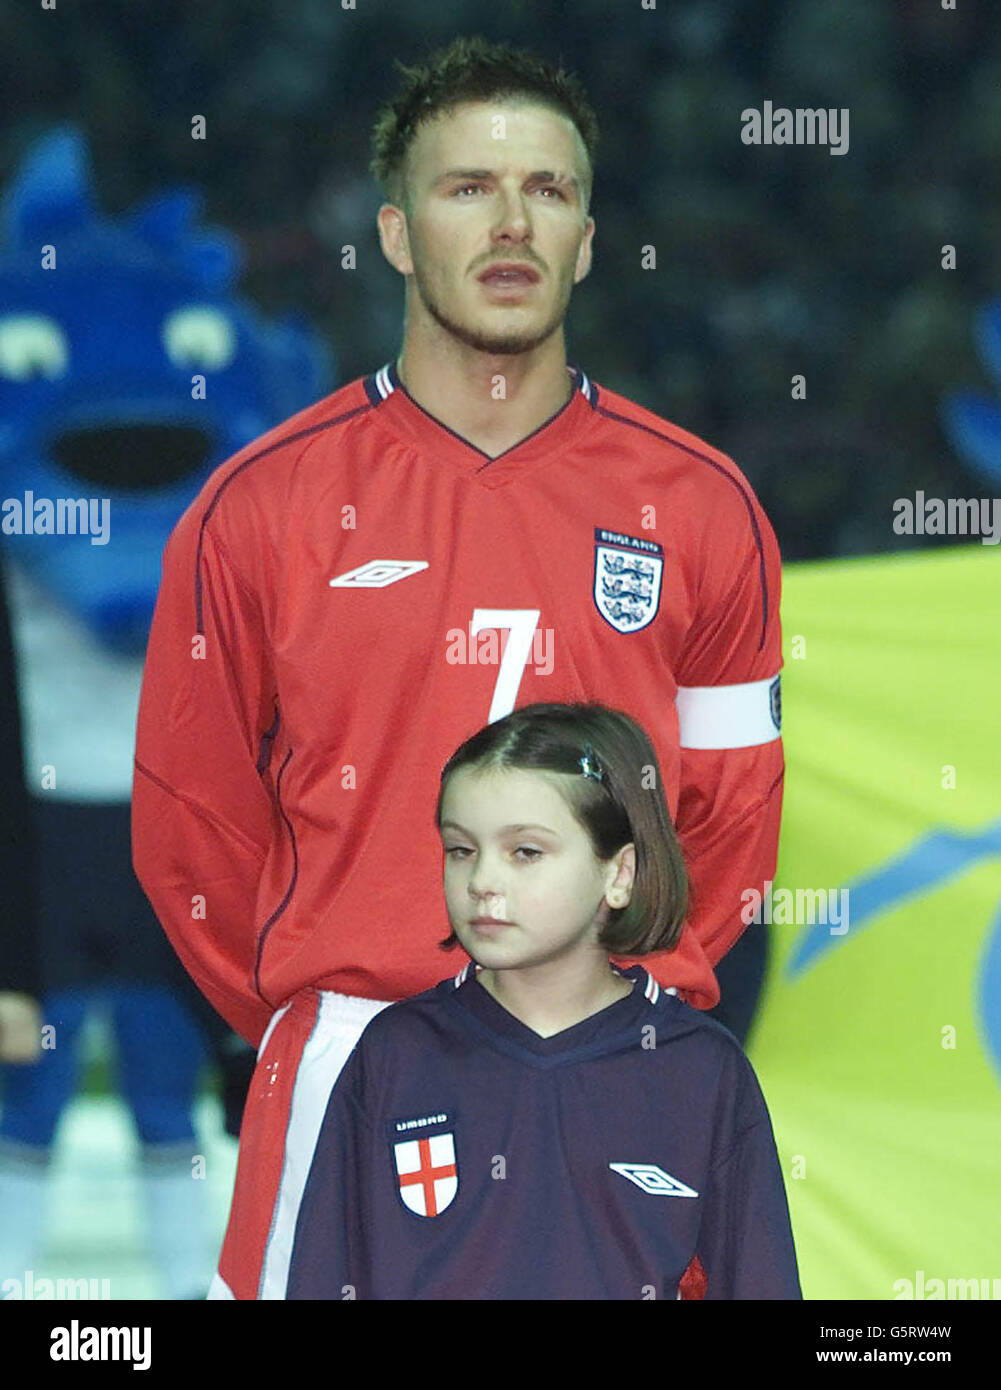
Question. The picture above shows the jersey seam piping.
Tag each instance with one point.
(195, 806)
(704, 458)
(307, 435)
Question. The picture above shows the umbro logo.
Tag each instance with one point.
(376, 574)
(653, 1179)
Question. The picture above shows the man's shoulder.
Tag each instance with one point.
(263, 466)
(652, 432)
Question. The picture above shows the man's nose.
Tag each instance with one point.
(513, 215)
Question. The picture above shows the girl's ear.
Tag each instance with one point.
(621, 876)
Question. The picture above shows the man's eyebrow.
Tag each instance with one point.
(543, 175)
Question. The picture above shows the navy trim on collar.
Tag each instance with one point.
(381, 384)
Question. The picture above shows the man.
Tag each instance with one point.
(474, 526)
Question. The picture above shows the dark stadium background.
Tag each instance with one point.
(771, 261)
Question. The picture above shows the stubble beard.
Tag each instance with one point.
(510, 344)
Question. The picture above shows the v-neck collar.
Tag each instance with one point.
(508, 1031)
(401, 413)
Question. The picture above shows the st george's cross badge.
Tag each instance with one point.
(427, 1174)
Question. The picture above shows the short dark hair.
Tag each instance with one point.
(473, 69)
(626, 805)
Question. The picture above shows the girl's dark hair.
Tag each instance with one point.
(626, 805)
(473, 69)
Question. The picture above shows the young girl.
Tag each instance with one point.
(548, 1125)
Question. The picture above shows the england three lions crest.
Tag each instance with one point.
(627, 578)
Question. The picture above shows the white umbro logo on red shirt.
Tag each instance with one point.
(653, 1179)
(376, 574)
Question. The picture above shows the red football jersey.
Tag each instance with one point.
(357, 592)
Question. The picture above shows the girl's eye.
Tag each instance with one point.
(459, 851)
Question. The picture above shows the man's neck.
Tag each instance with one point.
(492, 401)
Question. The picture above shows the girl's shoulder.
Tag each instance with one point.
(407, 1016)
(719, 1057)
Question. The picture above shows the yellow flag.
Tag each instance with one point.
(879, 1041)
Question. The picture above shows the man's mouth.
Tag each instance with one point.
(509, 275)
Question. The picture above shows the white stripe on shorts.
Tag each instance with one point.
(340, 1021)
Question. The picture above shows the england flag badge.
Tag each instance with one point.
(627, 579)
(427, 1174)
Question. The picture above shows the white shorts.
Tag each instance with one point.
(300, 1057)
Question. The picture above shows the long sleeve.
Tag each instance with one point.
(746, 1242)
(730, 798)
(202, 813)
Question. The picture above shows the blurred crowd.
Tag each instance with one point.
(772, 261)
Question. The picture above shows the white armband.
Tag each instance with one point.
(730, 716)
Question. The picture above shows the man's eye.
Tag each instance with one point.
(543, 188)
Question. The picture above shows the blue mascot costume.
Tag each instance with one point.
(128, 371)
(972, 420)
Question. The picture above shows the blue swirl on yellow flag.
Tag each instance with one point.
(930, 862)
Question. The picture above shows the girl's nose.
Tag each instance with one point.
(493, 905)
(484, 881)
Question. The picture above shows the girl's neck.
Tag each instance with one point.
(548, 1003)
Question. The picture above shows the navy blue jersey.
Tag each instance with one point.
(463, 1156)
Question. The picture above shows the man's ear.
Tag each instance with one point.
(392, 224)
(583, 266)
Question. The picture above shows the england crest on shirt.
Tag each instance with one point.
(427, 1174)
(627, 578)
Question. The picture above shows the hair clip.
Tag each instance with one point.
(589, 764)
